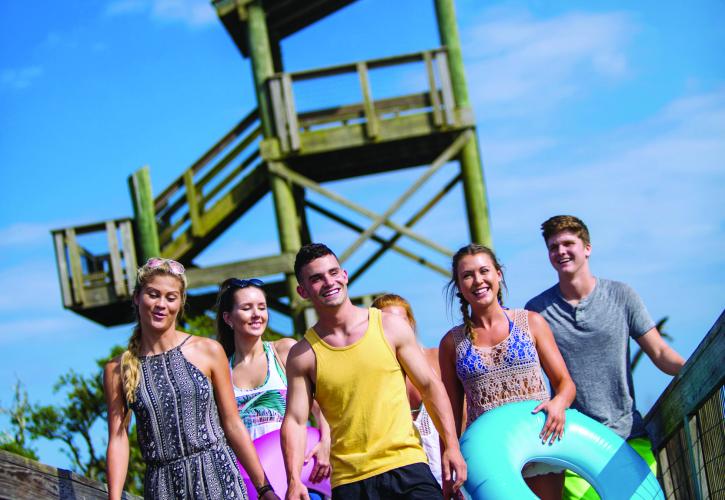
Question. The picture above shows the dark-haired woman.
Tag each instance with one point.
(258, 366)
(178, 388)
(495, 357)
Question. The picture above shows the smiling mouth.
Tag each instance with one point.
(330, 293)
(481, 291)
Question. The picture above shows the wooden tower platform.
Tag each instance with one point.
(289, 153)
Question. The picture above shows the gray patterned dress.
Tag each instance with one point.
(181, 439)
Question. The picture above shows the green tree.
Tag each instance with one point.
(71, 424)
(16, 441)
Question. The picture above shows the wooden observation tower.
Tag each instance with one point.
(291, 152)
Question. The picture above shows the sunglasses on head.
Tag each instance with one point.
(175, 267)
(237, 283)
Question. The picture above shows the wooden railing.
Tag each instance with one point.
(184, 204)
(436, 100)
(88, 279)
(687, 424)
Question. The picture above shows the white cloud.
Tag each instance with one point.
(657, 189)
(24, 233)
(20, 78)
(193, 13)
(520, 63)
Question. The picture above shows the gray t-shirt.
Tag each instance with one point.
(593, 338)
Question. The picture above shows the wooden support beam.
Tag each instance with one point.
(372, 126)
(63, 277)
(291, 112)
(114, 256)
(446, 88)
(293, 176)
(442, 159)
(355, 227)
(278, 112)
(76, 269)
(147, 233)
(129, 254)
(263, 266)
(192, 201)
(433, 89)
(390, 243)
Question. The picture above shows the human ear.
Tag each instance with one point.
(302, 292)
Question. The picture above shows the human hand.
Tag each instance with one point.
(296, 491)
(455, 472)
(321, 455)
(553, 429)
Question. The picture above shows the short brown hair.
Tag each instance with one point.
(559, 223)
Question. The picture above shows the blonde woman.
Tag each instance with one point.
(179, 390)
(395, 304)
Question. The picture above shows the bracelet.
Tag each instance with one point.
(264, 489)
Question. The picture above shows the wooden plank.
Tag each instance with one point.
(702, 375)
(129, 254)
(262, 266)
(224, 183)
(243, 144)
(442, 159)
(291, 112)
(74, 256)
(226, 206)
(61, 261)
(446, 88)
(192, 200)
(433, 89)
(371, 119)
(119, 285)
(352, 67)
(301, 180)
(25, 479)
(278, 111)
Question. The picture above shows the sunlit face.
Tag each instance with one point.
(323, 282)
(567, 252)
(248, 315)
(397, 311)
(159, 302)
(478, 279)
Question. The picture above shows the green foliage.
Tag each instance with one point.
(18, 413)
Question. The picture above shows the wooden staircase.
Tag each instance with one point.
(287, 148)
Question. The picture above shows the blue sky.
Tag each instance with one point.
(613, 111)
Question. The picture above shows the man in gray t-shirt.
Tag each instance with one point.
(592, 320)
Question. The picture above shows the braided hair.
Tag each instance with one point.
(453, 287)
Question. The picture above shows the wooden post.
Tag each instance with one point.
(473, 184)
(284, 202)
(371, 119)
(114, 255)
(192, 201)
(144, 212)
(129, 254)
(60, 258)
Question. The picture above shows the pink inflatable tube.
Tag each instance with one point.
(269, 449)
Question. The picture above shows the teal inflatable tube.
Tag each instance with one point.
(500, 442)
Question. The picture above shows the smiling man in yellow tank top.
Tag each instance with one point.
(353, 361)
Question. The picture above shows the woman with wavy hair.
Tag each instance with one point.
(496, 355)
(178, 387)
(258, 366)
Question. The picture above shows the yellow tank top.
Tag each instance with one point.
(361, 391)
